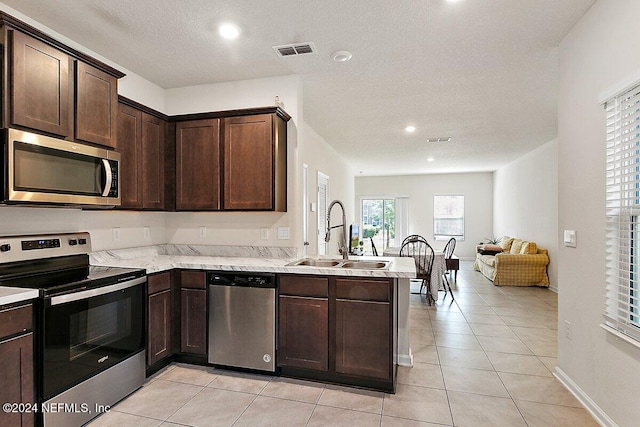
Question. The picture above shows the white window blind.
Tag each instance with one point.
(622, 308)
(448, 217)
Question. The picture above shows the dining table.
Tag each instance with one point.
(437, 271)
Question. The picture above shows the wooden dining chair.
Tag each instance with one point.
(417, 247)
(448, 253)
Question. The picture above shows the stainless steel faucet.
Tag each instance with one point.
(344, 248)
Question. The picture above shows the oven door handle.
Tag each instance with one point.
(62, 299)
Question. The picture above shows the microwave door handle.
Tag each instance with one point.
(108, 174)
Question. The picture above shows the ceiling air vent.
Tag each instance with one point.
(441, 139)
(295, 49)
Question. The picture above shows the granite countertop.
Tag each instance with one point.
(11, 295)
(166, 257)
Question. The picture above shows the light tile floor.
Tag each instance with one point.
(484, 360)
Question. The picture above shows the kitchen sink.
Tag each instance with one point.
(362, 265)
(308, 262)
(366, 265)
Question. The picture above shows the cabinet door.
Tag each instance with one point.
(194, 321)
(96, 105)
(153, 130)
(303, 332)
(159, 338)
(198, 165)
(363, 345)
(129, 144)
(248, 162)
(16, 371)
(40, 86)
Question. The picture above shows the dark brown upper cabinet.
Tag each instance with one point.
(96, 105)
(51, 88)
(41, 88)
(232, 160)
(141, 141)
(129, 144)
(254, 150)
(198, 165)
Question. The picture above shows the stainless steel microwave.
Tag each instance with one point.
(45, 170)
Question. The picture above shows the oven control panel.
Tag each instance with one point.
(22, 248)
(28, 245)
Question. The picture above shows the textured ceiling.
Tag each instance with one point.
(483, 72)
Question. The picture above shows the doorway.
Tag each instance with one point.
(323, 195)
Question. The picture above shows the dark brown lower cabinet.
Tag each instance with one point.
(159, 317)
(338, 329)
(303, 334)
(16, 364)
(362, 339)
(16, 371)
(194, 321)
(159, 345)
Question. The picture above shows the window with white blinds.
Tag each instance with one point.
(622, 311)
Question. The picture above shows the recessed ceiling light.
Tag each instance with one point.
(229, 31)
(430, 159)
(341, 55)
(410, 128)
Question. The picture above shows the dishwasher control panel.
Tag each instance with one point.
(252, 280)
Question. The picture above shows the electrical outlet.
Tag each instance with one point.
(568, 332)
(146, 233)
(283, 233)
(202, 232)
(264, 233)
(115, 233)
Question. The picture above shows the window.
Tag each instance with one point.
(378, 223)
(448, 217)
(623, 214)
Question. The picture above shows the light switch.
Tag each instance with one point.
(570, 238)
(312, 207)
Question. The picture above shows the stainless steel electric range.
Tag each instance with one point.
(90, 323)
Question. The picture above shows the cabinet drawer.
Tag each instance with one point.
(363, 289)
(304, 286)
(193, 279)
(15, 320)
(159, 282)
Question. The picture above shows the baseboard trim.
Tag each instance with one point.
(600, 416)
(405, 359)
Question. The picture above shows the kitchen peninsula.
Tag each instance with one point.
(341, 289)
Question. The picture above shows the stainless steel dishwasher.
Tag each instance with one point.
(242, 320)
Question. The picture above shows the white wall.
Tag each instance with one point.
(525, 201)
(601, 51)
(478, 202)
(321, 157)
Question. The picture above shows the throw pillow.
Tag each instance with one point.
(489, 247)
(505, 243)
(529, 248)
(516, 246)
(487, 252)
